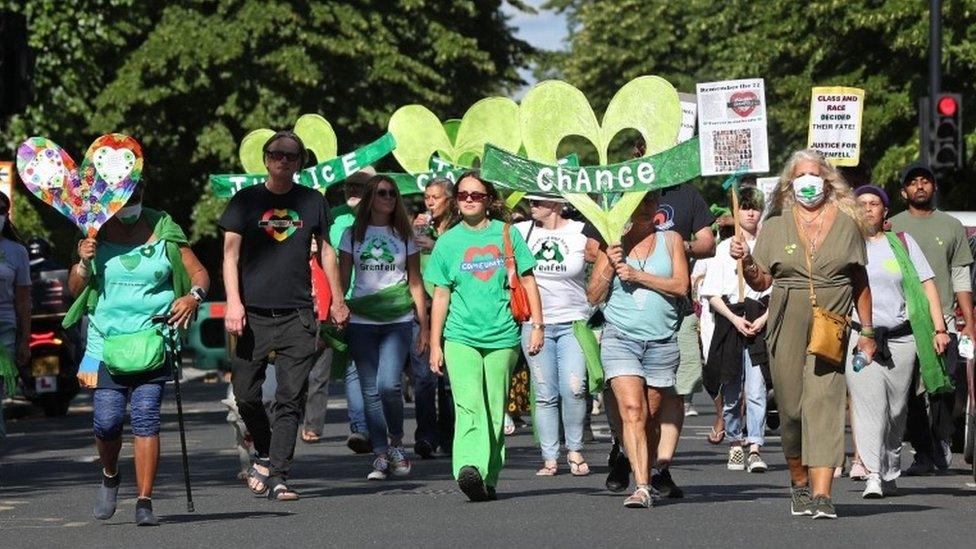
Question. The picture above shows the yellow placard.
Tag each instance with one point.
(835, 123)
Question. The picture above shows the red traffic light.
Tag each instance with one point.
(947, 106)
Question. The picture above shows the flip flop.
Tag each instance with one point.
(578, 468)
(547, 471)
(716, 437)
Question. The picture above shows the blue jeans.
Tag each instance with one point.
(380, 352)
(751, 383)
(109, 407)
(558, 376)
(424, 392)
(354, 400)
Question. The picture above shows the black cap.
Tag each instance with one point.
(915, 169)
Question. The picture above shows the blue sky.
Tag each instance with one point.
(545, 30)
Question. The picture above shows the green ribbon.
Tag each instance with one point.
(931, 365)
(385, 305)
(671, 167)
(320, 176)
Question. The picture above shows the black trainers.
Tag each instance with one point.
(823, 508)
(471, 483)
(423, 449)
(664, 484)
(144, 513)
(801, 502)
(619, 477)
(492, 494)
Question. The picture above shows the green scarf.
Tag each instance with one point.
(165, 229)
(385, 305)
(931, 365)
(8, 373)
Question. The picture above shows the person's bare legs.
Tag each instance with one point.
(799, 473)
(146, 451)
(672, 420)
(108, 454)
(821, 480)
(653, 423)
(719, 425)
(632, 405)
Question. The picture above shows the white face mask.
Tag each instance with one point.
(130, 214)
(808, 189)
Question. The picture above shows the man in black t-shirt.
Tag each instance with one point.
(268, 230)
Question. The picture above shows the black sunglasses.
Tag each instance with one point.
(283, 155)
(386, 193)
(475, 196)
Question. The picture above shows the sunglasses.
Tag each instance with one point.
(283, 155)
(475, 196)
(386, 193)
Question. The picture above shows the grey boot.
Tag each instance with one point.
(105, 500)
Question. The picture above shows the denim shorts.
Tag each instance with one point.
(655, 361)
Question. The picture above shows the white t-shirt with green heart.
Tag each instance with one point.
(379, 261)
(560, 270)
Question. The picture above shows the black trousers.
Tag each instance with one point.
(932, 423)
(292, 339)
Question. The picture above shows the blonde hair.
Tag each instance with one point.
(837, 191)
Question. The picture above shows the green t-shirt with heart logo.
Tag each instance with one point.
(471, 263)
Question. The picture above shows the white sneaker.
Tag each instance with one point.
(690, 410)
(737, 459)
(399, 463)
(873, 489)
(381, 469)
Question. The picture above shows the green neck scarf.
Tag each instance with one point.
(165, 229)
(931, 365)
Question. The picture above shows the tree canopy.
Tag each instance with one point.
(880, 46)
(190, 78)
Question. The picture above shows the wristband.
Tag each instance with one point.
(198, 293)
(538, 326)
(867, 332)
(937, 332)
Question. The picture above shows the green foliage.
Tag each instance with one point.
(880, 46)
(190, 78)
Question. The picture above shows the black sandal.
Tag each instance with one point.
(254, 474)
(278, 491)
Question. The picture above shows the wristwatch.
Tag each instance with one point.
(538, 326)
(198, 293)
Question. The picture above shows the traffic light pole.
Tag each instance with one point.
(935, 52)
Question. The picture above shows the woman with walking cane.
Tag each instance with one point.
(138, 267)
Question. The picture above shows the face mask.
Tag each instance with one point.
(808, 190)
(130, 214)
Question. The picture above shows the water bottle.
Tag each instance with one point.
(966, 347)
(860, 361)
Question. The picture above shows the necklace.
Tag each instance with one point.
(641, 263)
(813, 241)
(808, 222)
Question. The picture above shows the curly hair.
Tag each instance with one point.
(837, 191)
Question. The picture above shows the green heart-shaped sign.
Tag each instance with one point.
(420, 134)
(315, 131)
(130, 261)
(553, 109)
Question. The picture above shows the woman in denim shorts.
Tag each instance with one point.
(640, 280)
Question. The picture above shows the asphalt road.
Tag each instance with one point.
(48, 475)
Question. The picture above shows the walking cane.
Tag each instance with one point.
(172, 357)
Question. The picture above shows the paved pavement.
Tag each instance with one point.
(48, 475)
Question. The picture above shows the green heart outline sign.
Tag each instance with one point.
(314, 130)
(420, 134)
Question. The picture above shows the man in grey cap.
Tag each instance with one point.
(942, 239)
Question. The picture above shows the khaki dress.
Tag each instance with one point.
(811, 395)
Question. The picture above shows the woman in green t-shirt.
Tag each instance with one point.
(481, 338)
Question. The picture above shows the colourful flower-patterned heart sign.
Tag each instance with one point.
(48, 171)
(109, 174)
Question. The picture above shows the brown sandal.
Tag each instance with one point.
(547, 471)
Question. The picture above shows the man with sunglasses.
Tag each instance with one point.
(268, 231)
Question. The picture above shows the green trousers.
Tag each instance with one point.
(479, 382)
